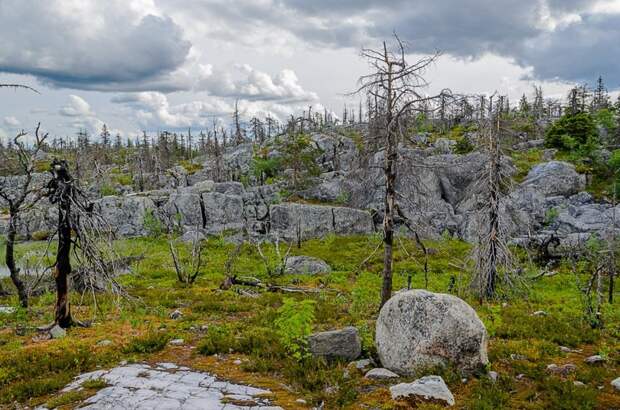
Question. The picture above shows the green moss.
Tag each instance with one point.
(152, 342)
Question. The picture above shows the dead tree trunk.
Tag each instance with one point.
(494, 187)
(394, 84)
(22, 292)
(389, 171)
(62, 195)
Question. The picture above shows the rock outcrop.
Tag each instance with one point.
(418, 330)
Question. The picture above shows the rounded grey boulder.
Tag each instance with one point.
(305, 265)
(417, 329)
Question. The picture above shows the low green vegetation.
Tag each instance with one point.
(267, 330)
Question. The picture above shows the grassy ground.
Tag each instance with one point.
(240, 327)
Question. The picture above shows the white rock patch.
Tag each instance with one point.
(167, 386)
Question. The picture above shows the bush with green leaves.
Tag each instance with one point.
(463, 146)
(572, 132)
(300, 154)
(294, 325)
(152, 224)
(606, 118)
(265, 168)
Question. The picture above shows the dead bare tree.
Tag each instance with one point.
(275, 266)
(492, 257)
(396, 87)
(81, 229)
(20, 196)
(187, 272)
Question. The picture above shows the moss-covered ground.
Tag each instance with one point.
(221, 328)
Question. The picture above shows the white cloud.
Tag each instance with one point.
(90, 44)
(81, 116)
(11, 122)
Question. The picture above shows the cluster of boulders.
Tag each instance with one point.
(439, 192)
(416, 332)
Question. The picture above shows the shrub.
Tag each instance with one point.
(149, 343)
(463, 146)
(294, 325)
(572, 131)
(219, 339)
(107, 190)
(152, 224)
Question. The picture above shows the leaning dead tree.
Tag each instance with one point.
(20, 193)
(493, 259)
(395, 86)
(83, 233)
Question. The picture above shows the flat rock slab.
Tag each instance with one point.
(167, 386)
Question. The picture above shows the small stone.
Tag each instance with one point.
(380, 374)
(429, 388)
(104, 342)
(41, 337)
(177, 342)
(362, 364)
(464, 380)
(7, 310)
(596, 359)
(616, 383)
(520, 376)
(58, 332)
(237, 362)
(123, 362)
(176, 314)
(301, 401)
(540, 313)
(493, 376)
(204, 328)
(577, 383)
(329, 390)
(514, 356)
(561, 370)
(565, 349)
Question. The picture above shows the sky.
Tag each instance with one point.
(176, 64)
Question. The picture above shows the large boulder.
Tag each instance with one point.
(417, 329)
(555, 178)
(305, 265)
(336, 344)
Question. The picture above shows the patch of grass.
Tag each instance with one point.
(489, 395)
(151, 342)
(95, 384)
(67, 398)
(564, 395)
(218, 339)
(561, 328)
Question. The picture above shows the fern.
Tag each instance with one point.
(294, 325)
